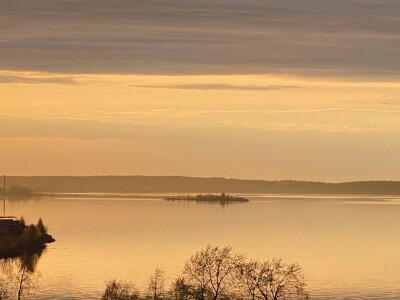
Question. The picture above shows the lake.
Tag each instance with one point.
(348, 246)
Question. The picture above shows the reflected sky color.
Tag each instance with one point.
(348, 242)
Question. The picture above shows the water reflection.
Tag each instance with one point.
(19, 275)
(339, 241)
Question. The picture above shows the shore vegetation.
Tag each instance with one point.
(218, 273)
(24, 238)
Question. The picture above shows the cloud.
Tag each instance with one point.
(391, 102)
(18, 79)
(301, 37)
(217, 86)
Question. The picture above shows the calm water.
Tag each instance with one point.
(348, 246)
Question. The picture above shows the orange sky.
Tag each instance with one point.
(246, 126)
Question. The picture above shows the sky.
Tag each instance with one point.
(261, 89)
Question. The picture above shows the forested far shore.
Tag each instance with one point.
(177, 184)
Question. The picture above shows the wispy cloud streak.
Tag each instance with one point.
(19, 79)
(217, 86)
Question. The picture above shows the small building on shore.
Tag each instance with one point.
(8, 224)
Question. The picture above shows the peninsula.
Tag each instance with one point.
(17, 238)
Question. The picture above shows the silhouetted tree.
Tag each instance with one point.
(41, 228)
(180, 290)
(216, 273)
(156, 284)
(211, 272)
(120, 290)
(249, 278)
(274, 280)
(196, 277)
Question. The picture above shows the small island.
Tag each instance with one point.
(17, 238)
(222, 198)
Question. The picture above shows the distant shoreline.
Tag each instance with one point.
(59, 185)
(164, 196)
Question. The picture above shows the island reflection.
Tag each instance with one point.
(19, 276)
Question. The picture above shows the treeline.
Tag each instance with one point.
(217, 273)
(176, 184)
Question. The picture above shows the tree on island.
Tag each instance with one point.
(212, 198)
(24, 238)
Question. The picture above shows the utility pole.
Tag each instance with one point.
(4, 194)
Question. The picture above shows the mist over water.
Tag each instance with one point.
(349, 247)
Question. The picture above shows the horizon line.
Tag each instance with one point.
(217, 177)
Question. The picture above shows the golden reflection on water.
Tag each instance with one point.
(351, 243)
